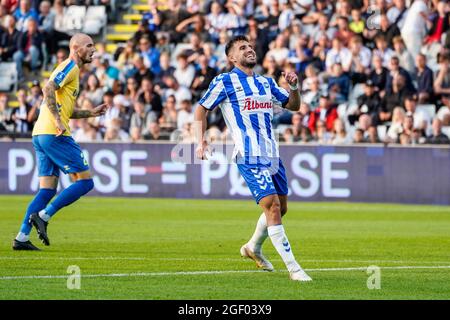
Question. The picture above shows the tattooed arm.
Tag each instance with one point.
(97, 111)
(50, 100)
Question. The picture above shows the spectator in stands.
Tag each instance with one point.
(150, 55)
(414, 28)
(144, 31)
(203, 77)
(440, 23)
(339, 135)
(86, 132)
(424, 80)
(150, 99)
(405, 139)
(361, 58)
(92, 89)
(34, 99)
(312, 96)
(338, 84)
(168, 119)
(382, 50)
(296, 128)
(338, 54)
(47, 26)
(185, 72)
(29, 49)
(405, 59)
(139, 70)
(421, 118)
(216, 21)
(442, 81)
(394, 98)
(379, 75)
(372, 135)
(23, 14)
(397, 13)
(358, 136)
(437, 136)
(139, 117)
(326, 113)
(395, 70)
(174, 88)
(368, 103)
(153, 132)
(131, 90)
(185, 114)
(21, 113)
(6, 122)
(9, 39)
(171, 17)
(396, 127)
(278, 50)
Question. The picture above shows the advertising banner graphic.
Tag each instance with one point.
(315, 173)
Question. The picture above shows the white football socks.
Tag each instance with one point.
(44, 216)
(22, 237)
(255, 243)
(281, 243)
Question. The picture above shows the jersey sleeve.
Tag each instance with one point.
(63, 75)
(279, 95)
(215, 94)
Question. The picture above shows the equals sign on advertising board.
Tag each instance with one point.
(173, 173)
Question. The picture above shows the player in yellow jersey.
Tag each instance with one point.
(55, 148)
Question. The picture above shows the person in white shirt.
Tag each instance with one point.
(185, 72)
(414, 28)
(338, 54)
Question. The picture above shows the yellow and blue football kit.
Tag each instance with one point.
(59, 153)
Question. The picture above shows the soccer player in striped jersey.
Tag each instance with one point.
(246, 100)
(55, 148)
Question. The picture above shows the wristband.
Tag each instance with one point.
(295, 87)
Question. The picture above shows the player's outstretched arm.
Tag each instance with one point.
(294, 96)
(50, 101)
(96, 112)
(200, 129)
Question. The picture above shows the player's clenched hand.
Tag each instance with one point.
(99, 110)
(60, 128)
(202, 151)
(291, 78)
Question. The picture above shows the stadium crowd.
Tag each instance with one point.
(371, 71)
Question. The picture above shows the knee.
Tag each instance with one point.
(275, 208)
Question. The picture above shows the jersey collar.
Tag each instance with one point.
(241, 73)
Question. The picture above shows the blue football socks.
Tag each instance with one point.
(39, 202)
(67, 197)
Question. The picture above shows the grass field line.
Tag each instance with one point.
(208, 259)
(211, 272)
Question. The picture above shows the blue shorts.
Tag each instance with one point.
(265, 179)
(58, 153)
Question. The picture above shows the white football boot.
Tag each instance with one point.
(299, 275)
(260, 260)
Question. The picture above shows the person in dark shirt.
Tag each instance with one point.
(394, 98)
(395, 69)
(150, 98)
(29, 48)
(171, 17)
(368, 103)
(339, 84)
(379, 75)
(203, 76)
(438, 137)
(424, 80)
(9, 39)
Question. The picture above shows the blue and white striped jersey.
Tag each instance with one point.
(247, 105)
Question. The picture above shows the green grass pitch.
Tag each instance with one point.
(130, 248)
